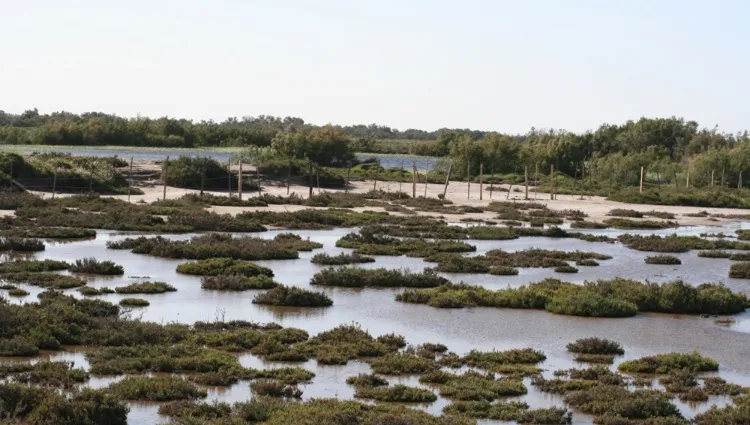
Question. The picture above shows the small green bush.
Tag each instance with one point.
(397, 393)
(273, 388)
(714, 254)
(740, 270)
(18, 292)
(663, 260)
(93, 266)
(237, 283)
(88, 291)
(385, 278)
(156, 388)
(595, 346)
(146, 288)
(341, 259)
(134, 302)
(20, 245)
(291, 296)
(566, 269)
(665, 363)
(33, 266)
(224, 267)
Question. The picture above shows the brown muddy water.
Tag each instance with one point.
(461, 330)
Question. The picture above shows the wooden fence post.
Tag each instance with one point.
(447, 179)
(468, 178)
(414, 179)
(526, 181)
(164, 178)
(481, 177)
(551, 182)
(130, 177)
(54, 183)
(239, 180)
(229, 176)
(641, 187)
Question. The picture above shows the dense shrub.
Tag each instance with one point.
(134, 302)
(621, 212)
(51, 232)
(33, 266)
(566, 269)
(273, 388)
(663, 259)
(156, 388)
(292, 296)
(740, 270)
(397, 393)
(715, 254)
(224, 267)
(358, 278)
(611, 400)
(595, 346)
(18, 292)
(89, 291)
(237, 283)
(146, 288)
(664, 363)
(20, 245)
(624, 223)
(46, 280)
(341, 259)
(674, 243)
(93, 266)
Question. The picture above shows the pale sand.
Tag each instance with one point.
(596, 207)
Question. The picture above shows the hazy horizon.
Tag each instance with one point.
(485, 65)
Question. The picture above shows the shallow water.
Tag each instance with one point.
(387, 161)
(461, 329)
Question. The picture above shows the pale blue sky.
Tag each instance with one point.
(494, 65)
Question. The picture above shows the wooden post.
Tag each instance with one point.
(130, 177)
(640, 190)
(310, 179)
(526, 181)
(374, 183)
(289, 176)
(551, 182)
(229, 176)
(481, 177)
(54, 183)
(348, 173)
(317, 177)
(203, 174)
(468, 178)
(447, 179)
(164, 178)
(687, 179)
(712, 178)
(239, 180)
(414, 179)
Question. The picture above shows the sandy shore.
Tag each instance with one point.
(595, 207)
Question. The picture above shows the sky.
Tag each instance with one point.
(494, 65)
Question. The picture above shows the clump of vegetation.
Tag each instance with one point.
(341, 259)
(509, 411)
(660, 214)
(604, 298)
(93, 266)
(504, 271)
(595, 358)
(366, 380)
(292, 296)
(274, 388)
(134, 302)
(402, 364)
(214, 245)
(665, 363)
(587, 262)
(20, 245)
(237, 283)
(663, 260)
(33, 266)
(595, 345)
(477, 386)
(714, 254)
(624, 223)
(224, 267)
(192, 172)
(371, 244)
(46, 373)
(146, 288)
(621, 212)
(18, 292)
(740, 256)
(155, 388)
(359, 278)
(50, 232)
(48, 405)
(740, 270)
(397, 393)
(499, 262)
(46, 280)
(566, 269)
(674, 243)
(584, 224)
(613, 401)
(89, 291)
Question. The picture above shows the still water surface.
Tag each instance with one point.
(461, 329)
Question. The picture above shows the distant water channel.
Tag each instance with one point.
(460, 329)
(222, 155)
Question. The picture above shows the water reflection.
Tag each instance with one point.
(460, 329)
